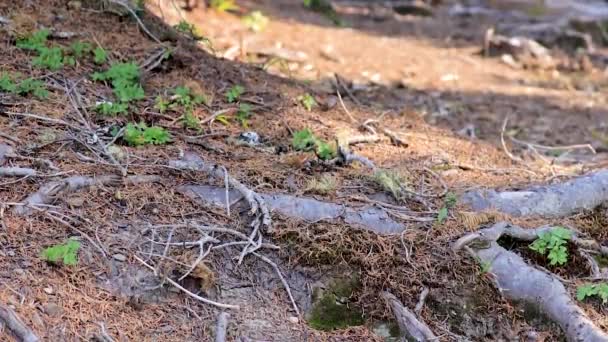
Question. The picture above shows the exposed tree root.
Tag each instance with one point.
(409, 324)
(49, 191)
(221, 326)
(519, 281)
(9, 318)
(256, 202)
(16, 172)
(586, 192)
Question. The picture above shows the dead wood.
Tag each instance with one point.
(409, 324)
(16, 325)
(521, 282)
(17, 172)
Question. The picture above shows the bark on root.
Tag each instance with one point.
(409, 324)
(586, 192)
(9, 318)
(48, 192)
(257, 204)
(521, 282)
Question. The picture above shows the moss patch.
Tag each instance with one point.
(332, 310)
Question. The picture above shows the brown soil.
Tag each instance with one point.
(424, 75)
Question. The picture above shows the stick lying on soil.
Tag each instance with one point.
(409, 325)
(586, 192)
(519, 281)
(9, 318)
(221, 327)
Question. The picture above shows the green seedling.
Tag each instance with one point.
(125, 81)
(35, 41)
(243, 114)
(66, 253)
(304, 140)
(593, 290)
(233, 94)
(51, 58)
(449, 202)
(189, 120)
(307, 101)
(34, 87)
(256, 21)
(6, 84)
(111, 109)
(100, 55)
(554, 242)
(324, 185)
(140, 134)
(79, 49)
(324, 7)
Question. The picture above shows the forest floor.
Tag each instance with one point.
(457, 120)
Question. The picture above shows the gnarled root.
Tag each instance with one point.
(519, 281)
(409, 324)
(586, 192)
(257, 204)
(9, 318)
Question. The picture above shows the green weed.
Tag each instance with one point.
(305, 140)
(593, 290)
(111, 109)
(324, 185)
(140, 134)
(223, 5)
(66, 253)
(307, 101)
(100, 55)
(35, 41)
(25, 87)
(553, 241)
(124, 78)
(79, 49)
(233, 94)
(243, 114)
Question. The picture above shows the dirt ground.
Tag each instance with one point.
(467, 122)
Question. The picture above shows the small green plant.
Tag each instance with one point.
(25, 87)
(256, 21)
(100, 55)
(7, 84)
(189, 120)
(553, 241)
(79, 49)
(34, 87)
(442, 215)
(307, 101)
(189, 29)
(35, 41)
(223, 5)
(140, 134)
(243, 114)
(161, 104)
(448, 203)
(52, 59)
(125, 81)
(233, 94)
(391, 182)
(484, 267)
(183, 96)
(304, 140)
(111, 109)
(66, 253)
(593, 290)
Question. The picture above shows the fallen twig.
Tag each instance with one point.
(17, 172)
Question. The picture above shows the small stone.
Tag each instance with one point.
(250, 138)
(19, 271)
(75, 201)
(52, 309)
(294, 319)
(48, 290)
(119, 257)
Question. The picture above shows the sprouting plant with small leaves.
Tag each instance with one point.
(256, 21)
(305, 140)
(233, 94)
(391, 182)
(448, 202)
(140, 134)
(35, 41)
(124, 78)
(66, 253)
(161, 104)
(593, 290)
(25, 87)
(100, 55)
(223, 5)
(111, 109)
(189, 29)
(52, 58)
(79, 49)
(243, 114)
(189, 120)
(553, 241)
(308, 101)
